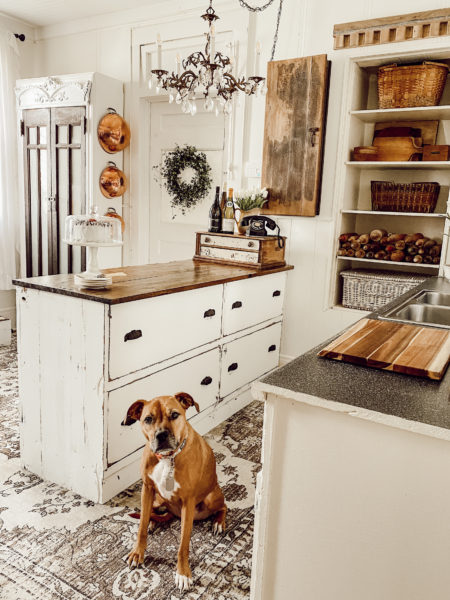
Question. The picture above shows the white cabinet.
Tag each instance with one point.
(83, 362)
(61, 165)
(146, 332)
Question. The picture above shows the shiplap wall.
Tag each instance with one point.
(104, 44)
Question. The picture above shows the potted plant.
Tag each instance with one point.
(249, 202)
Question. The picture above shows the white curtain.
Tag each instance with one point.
(9, 190)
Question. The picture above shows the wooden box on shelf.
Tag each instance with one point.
(265, 252)
(436, 152)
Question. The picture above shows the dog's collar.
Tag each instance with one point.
(173, 453)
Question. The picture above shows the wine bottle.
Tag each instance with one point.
(223, 200)
(215, 214)
(228, 214)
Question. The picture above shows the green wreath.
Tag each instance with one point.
(186, 195)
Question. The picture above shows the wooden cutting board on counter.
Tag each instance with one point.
(408, 349)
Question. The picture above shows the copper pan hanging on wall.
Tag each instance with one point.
(113, 181)
(113, 132)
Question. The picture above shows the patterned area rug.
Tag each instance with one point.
(55, 545)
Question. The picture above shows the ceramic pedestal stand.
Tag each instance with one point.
(93, 277)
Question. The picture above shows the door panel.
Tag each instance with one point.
(172, 233)
(55, 186)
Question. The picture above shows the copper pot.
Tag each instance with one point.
(112, 212)
(113, 182)
(113, 132)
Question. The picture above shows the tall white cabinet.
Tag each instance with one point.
(61, 161)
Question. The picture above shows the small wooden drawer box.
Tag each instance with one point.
(431, 152)
(259, 252)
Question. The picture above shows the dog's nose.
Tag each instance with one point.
(162, 436)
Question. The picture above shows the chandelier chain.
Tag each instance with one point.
(257, 9)
(244, 4)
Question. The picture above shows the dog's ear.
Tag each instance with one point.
(186, 401)
(134, 413)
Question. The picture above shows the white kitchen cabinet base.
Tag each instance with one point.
(83, 362)
(348, 508)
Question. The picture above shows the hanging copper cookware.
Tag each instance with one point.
(113, 132)
(113, 182)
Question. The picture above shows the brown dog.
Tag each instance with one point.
(178, 471)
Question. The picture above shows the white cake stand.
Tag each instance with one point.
(93, 278)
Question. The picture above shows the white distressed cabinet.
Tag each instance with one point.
(84, 361)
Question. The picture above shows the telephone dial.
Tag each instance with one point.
(257, 226)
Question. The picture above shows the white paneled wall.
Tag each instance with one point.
(104, 44)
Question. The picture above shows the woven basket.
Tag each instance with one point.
(411, 85)
(418, 197)
(370, 290)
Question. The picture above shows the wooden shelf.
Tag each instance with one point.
(419, 113)
(413, 164)
(389, 262)
(393, 214)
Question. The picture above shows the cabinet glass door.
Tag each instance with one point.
(55, 186)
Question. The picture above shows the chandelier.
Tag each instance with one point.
(207, 73)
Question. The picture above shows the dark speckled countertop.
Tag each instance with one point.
(414, 399)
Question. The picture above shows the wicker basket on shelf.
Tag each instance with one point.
(420, 197)
(411, 85)
(364, 289)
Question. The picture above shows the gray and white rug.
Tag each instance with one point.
(55, 545)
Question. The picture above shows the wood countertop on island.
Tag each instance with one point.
(147, 281)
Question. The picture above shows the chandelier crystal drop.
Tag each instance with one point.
(207, 73)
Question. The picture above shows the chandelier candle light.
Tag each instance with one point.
(208, 73)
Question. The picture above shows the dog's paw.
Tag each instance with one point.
(217, 528)
(182, 582)
(136, 557)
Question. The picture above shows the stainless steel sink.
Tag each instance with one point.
(426, 314)
(434, 298)
(425, 308)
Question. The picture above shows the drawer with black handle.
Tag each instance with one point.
(198, 376)
(249, 357)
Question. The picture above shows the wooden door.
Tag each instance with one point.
(172, 234)
(54, 154)
(294, 134)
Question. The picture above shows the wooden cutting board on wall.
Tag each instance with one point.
(294, 133)
(399, 347)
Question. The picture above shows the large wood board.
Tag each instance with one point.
(294, 133)
(409, 349)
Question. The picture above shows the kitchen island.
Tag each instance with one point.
(86, 355)
(353, 500)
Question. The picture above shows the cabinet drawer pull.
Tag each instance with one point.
(272, 348)
(134, 334)
(276, 293)
(206, 381)
(236, 304)
(209, 313)
(233, 367)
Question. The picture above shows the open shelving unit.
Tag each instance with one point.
(354, 212)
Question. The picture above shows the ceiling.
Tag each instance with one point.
(49, 12)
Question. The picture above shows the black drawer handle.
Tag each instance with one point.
(236, 304)
(233, 367)
(132, 335)
(209, 313)
(206, 381)
(272, 348)
(276, 293)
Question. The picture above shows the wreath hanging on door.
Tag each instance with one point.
(186, 194)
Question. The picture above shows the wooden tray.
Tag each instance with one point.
(398, 347)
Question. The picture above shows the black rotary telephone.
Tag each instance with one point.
(257, 226)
